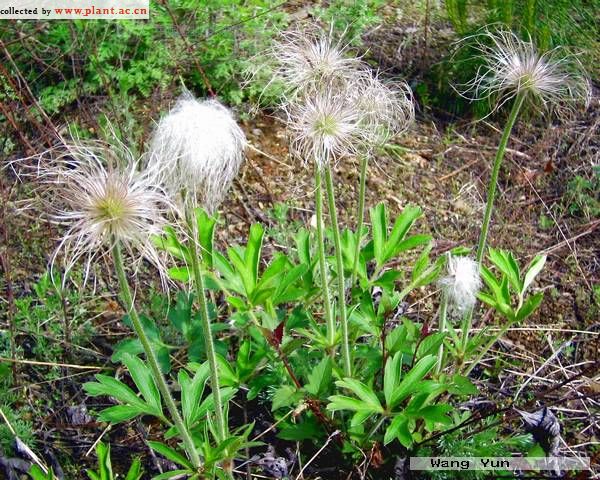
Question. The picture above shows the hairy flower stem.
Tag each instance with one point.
(487, 347)
(206, 330)
(322, 261)
(151, 357)
(340, 272)
(364, 161)
(512, 118)
(495, 171)
(442, 322)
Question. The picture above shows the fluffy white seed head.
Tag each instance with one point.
(552, 81)
(310, 58)
(98, 193)
(461, 283)
(325, 126)
(198, 147)
(386, 109)
(336, 105)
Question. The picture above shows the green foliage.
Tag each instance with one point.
(351, 17)
(129, 59)
(511, 284)
(131, 405)
(583, 195)
(17, 417)
(105, 471)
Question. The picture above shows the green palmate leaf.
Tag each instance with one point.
(319, 378)
(144, 381)
(230, 278)
(170, 454)
(179, 274)
(490, 281)
(400, 229)
(276, 267)
(309, 429)
(378, 216)
(530, 305)
(285, 293)
(206, 232)
(114, 388)
(342, 402)
(505, 291)
(436, 413)
(410, 382)
(236, 257)
(227, 375)
(191, 394)
(397, 340)
(422, 263)
(411, 242)
(362, 391)
(120, 413)
(285, 396)
(487, 299)
(416, 403)
(208, 405)
(171, 474)
(535, 267)
(104, 464)
(398, 428)
(391, 377)
(253, 248)
(36, 473)
(170, 243)
(506, 263)
(135, 471)
(430, 344)
(462, 386)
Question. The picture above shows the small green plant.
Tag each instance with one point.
(105, 471)
(582, 195)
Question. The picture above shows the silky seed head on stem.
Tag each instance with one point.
(387, 109)
(461, 283)
(97, 192)
(309, 59)
(552, 81)
(325, 126)
(198, 147)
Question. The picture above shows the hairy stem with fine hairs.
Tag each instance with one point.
(322, 260)
(518, 103)
(151, 357)
(364, 161)
(206, 330)
(489, 207)
(443, 315)
(340, 272)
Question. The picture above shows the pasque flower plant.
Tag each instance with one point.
(109, 207)
(198, 149)
(336, 108)
(515, 70)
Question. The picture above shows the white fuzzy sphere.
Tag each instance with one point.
(461, 283)
(198, 148)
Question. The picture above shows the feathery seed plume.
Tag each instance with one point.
(325, 126)
(309, 59)
(199, 148)
(98, 193)
(461, 284)
(553, 81)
